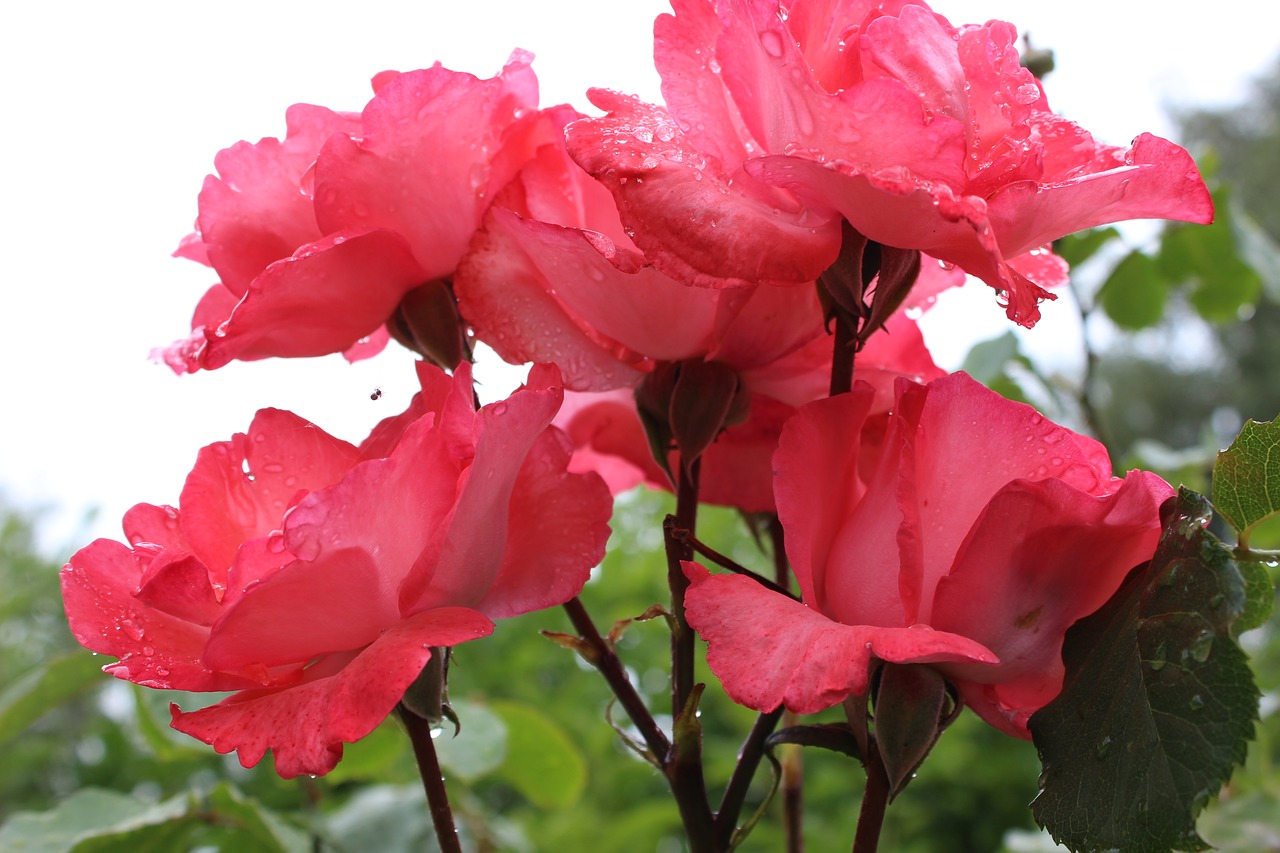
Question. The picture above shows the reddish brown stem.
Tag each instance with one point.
(424, 750)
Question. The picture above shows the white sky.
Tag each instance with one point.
(113, 113)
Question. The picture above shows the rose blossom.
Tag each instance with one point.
(782, 120)
(963, 531)
(566, 284)
(314, 576)
(318, 238)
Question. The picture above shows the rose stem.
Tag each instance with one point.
(684, 761)
(606, 660)
(424, 749)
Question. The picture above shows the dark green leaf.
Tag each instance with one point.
(30, 696)
(1246, 477)
(1075, 249)
(1134, 294)
(1157, 704)
(543, 763)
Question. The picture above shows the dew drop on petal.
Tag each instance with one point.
(772, 43)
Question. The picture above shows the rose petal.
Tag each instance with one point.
(306, 725)
(769, 650)
(1072, 551)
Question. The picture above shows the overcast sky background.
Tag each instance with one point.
(113, 113)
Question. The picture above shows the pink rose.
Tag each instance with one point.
(314, 576)
(780, 122)
(318, 238)
(962, 530)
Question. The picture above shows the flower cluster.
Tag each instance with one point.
(676, 272)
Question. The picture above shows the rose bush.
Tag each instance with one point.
(313, 576)
(962, 530)
(782, 121)
(317, 238)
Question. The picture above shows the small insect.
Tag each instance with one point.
(377, 392)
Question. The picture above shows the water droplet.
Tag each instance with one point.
(148, 651)
(1201, 646)
(1104, 746)
(1157, 663)
(161, 671)
(1196, 702)
(131, 628)
(772, 43)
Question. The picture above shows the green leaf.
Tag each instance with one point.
(1157, 704)
(252, 820)
(1134, 294)
(383, 818)
(1075, 249)
(989, 361)
(1257, 250)
(1210, 258)
(1246, 477)
(84, 821)
(480, 746)
(25, 700)
(543, 763)
(377, 757)
(986, 361)
(1259, 597)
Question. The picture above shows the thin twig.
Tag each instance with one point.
(610, 666)
(723, 561)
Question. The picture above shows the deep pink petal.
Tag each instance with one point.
(539, 292)
(186, 355)
(876, 548)
(253, 213)
(900, 210)
(434, 148)
(814, 498)
(154, 525)
(737, 469)
(769, 650)
(355, 543)
(306, 725)
(557, 527)
(459, 566)
(687, 217)
(1018, 595)
(1154, 179)
(608, 438)
(240, 489)
(156, 649)
(325, 298)
(368, 346)
(972, 443)
(772, 323)
(552, 188)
